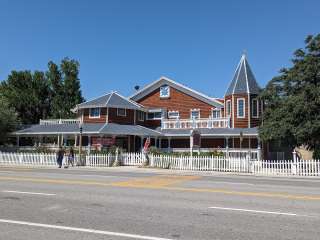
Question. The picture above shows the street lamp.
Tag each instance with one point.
(80, 143)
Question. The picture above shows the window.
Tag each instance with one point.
(173, 114)
(195, 114)
(94, 113)
(140, 116)
(121, 112)
(164, 91)
(154, 115)
(228, 107)
(241, 108)
(215, 113)
(255, 108)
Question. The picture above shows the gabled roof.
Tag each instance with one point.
(166, 81)
(243, 80)
(113, 99)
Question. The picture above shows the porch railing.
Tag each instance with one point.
(195, 123)
(59, 121)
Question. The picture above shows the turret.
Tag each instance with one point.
(241, 102)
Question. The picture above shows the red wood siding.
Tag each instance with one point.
(114, 118)
(178, 101)
(102, 119)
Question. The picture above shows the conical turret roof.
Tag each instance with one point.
(243, 80)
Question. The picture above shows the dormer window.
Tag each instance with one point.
(164, 91)
(94, 113)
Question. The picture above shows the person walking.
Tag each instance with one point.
(71, 157)
(60, 155)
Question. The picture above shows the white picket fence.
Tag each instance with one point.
(28, 159)
(238, 165)
(195, 163)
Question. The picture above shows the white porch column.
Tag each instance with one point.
(75, 140)
(58, 140)
(169, 144)
(259, 149)
(159, 143)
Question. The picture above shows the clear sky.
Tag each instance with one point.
(120, 44)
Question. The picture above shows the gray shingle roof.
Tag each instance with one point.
(137, 130)
(89, 128)
(113, 100)
(243, 80)
(60, 128)
(212, 132)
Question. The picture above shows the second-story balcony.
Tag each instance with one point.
(195, 123)
(59, 121)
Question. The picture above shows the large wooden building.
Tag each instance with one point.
(166, 111)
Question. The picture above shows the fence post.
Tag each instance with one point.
(294, 164)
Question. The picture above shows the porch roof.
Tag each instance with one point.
(88, 128)
(211, 132)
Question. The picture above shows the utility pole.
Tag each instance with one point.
(80, 144)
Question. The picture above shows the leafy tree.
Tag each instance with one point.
(40, 95)
(72, 91)
(56, 89)
(292, 113)
(8, 119)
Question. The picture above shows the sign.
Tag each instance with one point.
(105, 141)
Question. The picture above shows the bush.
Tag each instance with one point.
(316, 153)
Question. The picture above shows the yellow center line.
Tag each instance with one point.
(159, 183)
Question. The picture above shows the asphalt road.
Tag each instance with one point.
(130, 203)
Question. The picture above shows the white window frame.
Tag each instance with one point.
(165, 96)
(228, 109)
(244, 107)
(141, 116)
(255, 99)
(91, 116)
(173, 112)
(215, 110)
(122, 115)
(194, 110)
(153, 115)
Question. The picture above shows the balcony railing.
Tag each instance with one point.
(195, 123)
(59, 121)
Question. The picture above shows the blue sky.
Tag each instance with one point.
(120, 44)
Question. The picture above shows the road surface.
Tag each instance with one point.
(131, 203)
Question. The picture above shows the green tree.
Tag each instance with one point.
(56, 89)
(8, 119)
(72, 91)
(292, 113)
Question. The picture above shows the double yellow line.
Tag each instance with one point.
(163, 183)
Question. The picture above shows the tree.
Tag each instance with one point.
(292, 99)
(40, 95)
(72, 91)
(56, 89)
(8, 119)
